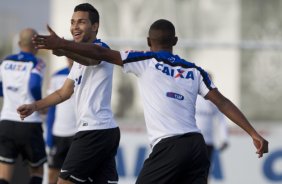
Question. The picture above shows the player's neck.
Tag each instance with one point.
(28, 50)
(160, 48)
(92, 39)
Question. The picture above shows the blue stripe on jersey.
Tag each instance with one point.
(23, 56)
(1, 89)
(139, 56)
(64, 71)
(35, 86)
(206, 77)
(169, 59)
(99, 42)
(49, 125)
(161, 56)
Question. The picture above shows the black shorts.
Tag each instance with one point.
(210, 151)
(91, 157)
(179, 159)
(58, 152)
(25, 139)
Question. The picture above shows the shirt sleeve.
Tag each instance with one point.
(71, 75)
(205, 83)
(36, 77)
(52, 85)
(49, 125)
(39, 68)
(35, 83)
(133, 62)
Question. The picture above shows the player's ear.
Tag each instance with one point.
(175, 41)
(149, 42)
(95, 27)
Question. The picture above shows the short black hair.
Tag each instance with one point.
(93, 13)
(163, 25)
(166, 33)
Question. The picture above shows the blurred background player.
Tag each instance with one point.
(208, 119)
(21, 76)
(61, 126)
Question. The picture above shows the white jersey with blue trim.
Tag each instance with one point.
(65, 117)
(15, 74)
(207, 117)
(168, 86)
(92, 92)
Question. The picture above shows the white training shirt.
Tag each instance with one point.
(169, 87)
(207, 117)
(92, 93)
(15, 72)
(65, 119)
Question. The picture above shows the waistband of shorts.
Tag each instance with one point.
(172, 138)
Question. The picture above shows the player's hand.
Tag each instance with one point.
(261, 144)
(26, 110)
(50, 42)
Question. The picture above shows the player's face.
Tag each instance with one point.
(81, 28)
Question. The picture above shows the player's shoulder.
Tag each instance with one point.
(39, 64)
(139, 54)
(11, 57)
(25, 57)
(101, 43)
(179, 61)
(132, 56)
(173, 60)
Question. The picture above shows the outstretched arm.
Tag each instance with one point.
(235, 115)
(57, 97)
(76, 57)
(53, 42)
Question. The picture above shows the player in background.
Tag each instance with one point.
(91, 157)
(169, 86)
(61, 126)
(21, 75)
(211, 122)
(208, 117)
